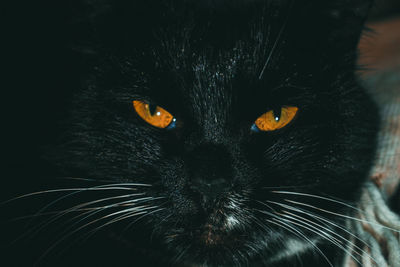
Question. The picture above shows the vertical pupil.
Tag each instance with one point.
(277, 113)
(152, 109)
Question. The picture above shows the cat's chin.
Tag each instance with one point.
(210, 237)
(212, 249)
(209, 245)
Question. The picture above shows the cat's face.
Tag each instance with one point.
(220, 183)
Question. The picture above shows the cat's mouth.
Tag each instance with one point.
(213, 235)
(217, 234)
(212, 231)
(220, 229)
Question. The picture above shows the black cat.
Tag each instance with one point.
(220, 133)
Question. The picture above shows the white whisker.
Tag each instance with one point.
(323, 234)
(121, 186)
(320, 218)
(92, 222)
(143, 212)
(299, 234)
(342, 215)
(319, 197)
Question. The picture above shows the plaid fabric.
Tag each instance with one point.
(376, 224)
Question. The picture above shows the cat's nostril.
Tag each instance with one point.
(210, 190)
(210, 185)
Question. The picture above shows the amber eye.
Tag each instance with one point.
(156, 116)
(272, 120)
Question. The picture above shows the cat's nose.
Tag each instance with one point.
(210, 170)
(210, 191)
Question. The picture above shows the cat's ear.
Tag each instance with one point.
(341, 20)
(347, 17)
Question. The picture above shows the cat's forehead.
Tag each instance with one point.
(211, 60)
(220, 43)
(216, 72)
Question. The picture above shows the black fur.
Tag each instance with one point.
(217, 66)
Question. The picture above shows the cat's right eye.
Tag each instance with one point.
(271, 121)
(154, 115)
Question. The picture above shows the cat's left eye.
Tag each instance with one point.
(154, 115)
(275, 119)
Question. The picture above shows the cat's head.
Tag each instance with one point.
(235, 113)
